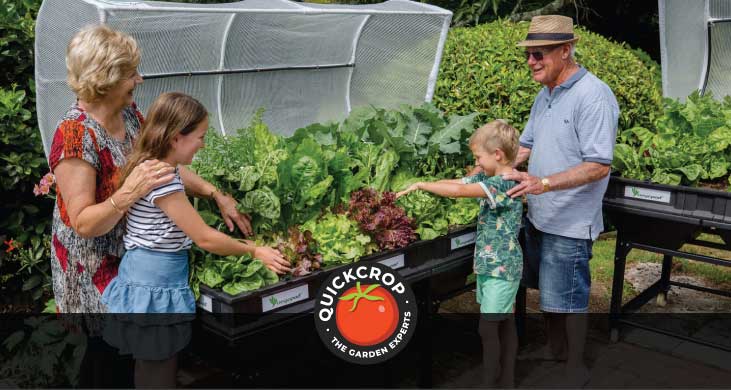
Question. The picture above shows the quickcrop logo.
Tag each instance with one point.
(365, 313)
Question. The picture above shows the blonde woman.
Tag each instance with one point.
(88, 151)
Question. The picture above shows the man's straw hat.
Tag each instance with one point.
(549, 30)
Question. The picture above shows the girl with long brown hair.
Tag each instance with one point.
(162, 225)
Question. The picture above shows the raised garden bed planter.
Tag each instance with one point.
(661, 219)
(271, 298)
(637, 207)
(459, 237)
(286, 293)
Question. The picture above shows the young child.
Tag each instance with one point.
(498, 257)
(161, 226)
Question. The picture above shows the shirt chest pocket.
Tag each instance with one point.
(566, 135)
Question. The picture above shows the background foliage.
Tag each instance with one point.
(483, 71)
(25, 222)
(25, 217)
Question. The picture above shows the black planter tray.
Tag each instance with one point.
(458, 237)
(238, 328)
(395, 258)
(268, 299)
(285, 292)
(685, 204)
(665, 215)
(299, 289)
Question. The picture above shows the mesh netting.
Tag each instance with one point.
(394, 5)
(292, 40)
(719, 70)
(719, 8)
(302, 63)
(682, 45)
(695, 38)
(392, 59)
(289, 93)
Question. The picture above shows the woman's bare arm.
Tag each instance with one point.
(76, 184)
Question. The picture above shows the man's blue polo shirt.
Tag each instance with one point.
(577, 122)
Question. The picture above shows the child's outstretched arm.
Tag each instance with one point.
(472, 172)
(178, 208)
(447, 188)
(453, 181)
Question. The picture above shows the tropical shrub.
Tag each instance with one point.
(25, 225)
(483, 71)
(23, 166)
(45, 352)
(17, 32)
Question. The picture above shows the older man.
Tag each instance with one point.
(570, 139)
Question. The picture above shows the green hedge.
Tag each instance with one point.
(483, 71)
(26, 219)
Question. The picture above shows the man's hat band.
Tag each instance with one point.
(549, 36)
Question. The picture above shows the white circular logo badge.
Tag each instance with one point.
(365, 313)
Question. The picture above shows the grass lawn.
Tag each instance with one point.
(602, 267)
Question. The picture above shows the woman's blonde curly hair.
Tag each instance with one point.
(97, 58)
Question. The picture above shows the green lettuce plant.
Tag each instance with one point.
(339, 239)
(688, 145)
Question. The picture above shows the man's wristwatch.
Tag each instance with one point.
(546, 184)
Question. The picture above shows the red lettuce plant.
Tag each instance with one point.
(300, 249)
(381, 218)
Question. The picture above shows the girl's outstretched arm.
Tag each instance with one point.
(200, 188)
(447, 189)
(178, 208)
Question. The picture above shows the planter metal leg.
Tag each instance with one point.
(423, 335)
(520, 313)
(615, 311)
(667, 265)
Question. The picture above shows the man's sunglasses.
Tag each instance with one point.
(538, 54)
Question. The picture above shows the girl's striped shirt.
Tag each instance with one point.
(150, 228)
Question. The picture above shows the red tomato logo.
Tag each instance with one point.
(366, 315)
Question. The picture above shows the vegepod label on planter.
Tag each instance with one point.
(365, 313)
(647, 194)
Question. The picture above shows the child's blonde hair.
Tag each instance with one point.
(497, 134)
(172, 113)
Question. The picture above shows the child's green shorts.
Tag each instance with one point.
(496, 296)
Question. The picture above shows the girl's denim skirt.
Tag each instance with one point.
(150, 282)
(151, 305)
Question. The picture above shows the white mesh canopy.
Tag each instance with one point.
(302, 63)
(695, 47)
